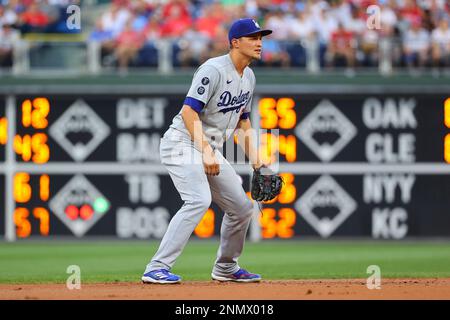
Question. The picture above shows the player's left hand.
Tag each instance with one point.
(261, 164)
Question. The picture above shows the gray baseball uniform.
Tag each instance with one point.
(221, 97)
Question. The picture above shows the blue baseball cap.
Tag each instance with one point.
(245, 27)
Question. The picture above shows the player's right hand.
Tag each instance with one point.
(210, 162)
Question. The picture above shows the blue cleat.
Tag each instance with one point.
(160, 276)
(241, 275)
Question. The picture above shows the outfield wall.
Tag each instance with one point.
(359, 160)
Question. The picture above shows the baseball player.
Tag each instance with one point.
(218, 103)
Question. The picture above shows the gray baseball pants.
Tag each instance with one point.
(197, 190)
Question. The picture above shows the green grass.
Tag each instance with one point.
(47, 262)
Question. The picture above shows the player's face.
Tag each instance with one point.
(251, 46)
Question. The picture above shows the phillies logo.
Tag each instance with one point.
(235, 102)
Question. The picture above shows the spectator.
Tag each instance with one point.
(439, 9)
(152, 30)
(8, 36)
(257, 8)
(325, 25)
(364, 3)
(279, 24)
(128, 44)
(301, 27)
(177, 8)
(115, 18)
(34, 19)
(148, 54)
(56, 14)
(176, 19)
(368, 44)
(440, 41)
(297, 6)
(200, 24)
(410, 13)
(210, 19)
(106, 40)
(340, 10)
(252, 8)
(388, 18)
(273, 48)
(101, 35)
(366, 40)
(301, 36)
(273, 55)
(220, 44)
(19, 6)
(7, 16)
(416, 45)
(317, 7)
(122, 3)
(193, 44)
(342, 48)
(141, 15)
(356, 22)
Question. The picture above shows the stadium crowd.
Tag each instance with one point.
(25, 16)
(128, 30)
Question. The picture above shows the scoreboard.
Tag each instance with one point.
(363, 164)
(360, 165)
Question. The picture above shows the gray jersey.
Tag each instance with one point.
(221, 98)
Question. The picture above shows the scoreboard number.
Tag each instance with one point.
(34, 113)
(278, 113)
(23, 193)
(34, 146)
(447, 124)
(3, 130)
(23, 224)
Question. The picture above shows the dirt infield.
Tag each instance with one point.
(209, 290)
